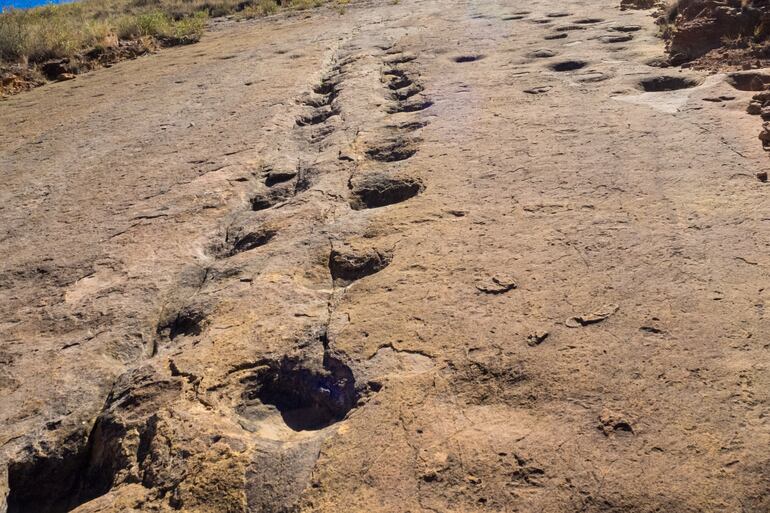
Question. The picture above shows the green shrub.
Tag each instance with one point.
(14, 37)
(305, 4)
(191, 28)
(153, 23)
(48, 33)
(260, 8)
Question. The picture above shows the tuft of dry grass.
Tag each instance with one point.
(60, 31)
(33, 36)
(257, 8)
(48, 33)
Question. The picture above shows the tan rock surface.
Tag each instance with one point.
(327, 262)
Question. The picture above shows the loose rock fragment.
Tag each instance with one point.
(611, 422)
(593, 318)
(764, 135)
(537, 338)
(496, 284)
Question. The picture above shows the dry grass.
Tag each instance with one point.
(29, 37)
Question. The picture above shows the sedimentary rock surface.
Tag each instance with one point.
(417, 256)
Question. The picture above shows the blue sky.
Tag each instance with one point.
(23, 4)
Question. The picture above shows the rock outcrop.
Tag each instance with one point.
(696, 27)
